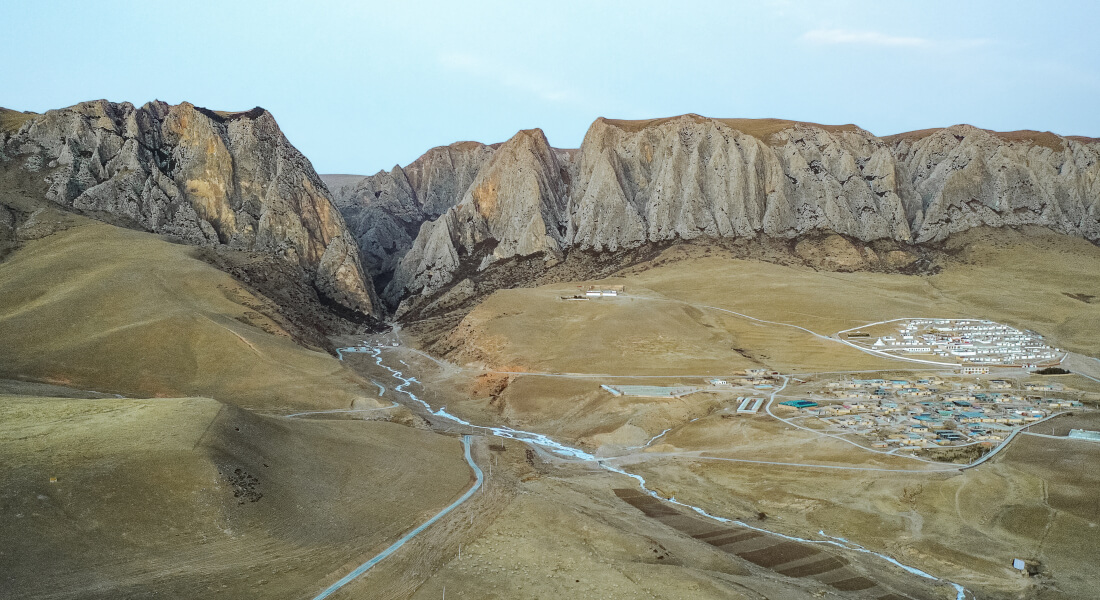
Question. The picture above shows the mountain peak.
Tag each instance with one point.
(203, 177)
(634, 182)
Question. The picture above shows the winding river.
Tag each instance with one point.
(570, 453)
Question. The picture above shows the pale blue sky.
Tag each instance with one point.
(360, 86)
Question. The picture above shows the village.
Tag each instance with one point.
(972, 341)
(929, 411)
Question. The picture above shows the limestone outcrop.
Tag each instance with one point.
(639, 182)
(198, 176)
(516, 206)
(385, 211)
(965, 177)
(692, 177)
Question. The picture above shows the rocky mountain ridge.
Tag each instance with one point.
(198, 176)
(385, 210)
(682, 178)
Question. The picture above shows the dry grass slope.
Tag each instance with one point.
(12, 120)
(191, 497)
(1035, 280)
(762, 129)
(1045, 139)
(100, 307)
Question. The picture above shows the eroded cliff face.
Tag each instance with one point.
(965, 177)
(639, 182)
(515, 206)
(201, 177)
(691, 177)
(385, 211)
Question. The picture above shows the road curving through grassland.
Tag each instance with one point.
(560, 450)
(479, 478)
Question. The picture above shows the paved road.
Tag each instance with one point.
(1055, 437)
(768, 409)
(342, 410)
(363, 568)
(1085, 366)
(835, 338)
(1082, 363)
(544, 445)
(1005, 443)
(695, 456)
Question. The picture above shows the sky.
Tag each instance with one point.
(362, 86)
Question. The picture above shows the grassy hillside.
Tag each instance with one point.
(191, 497)
(1034, 279)
(1031, 501)
(178, 495)
(762, 129)
(101, 307)
(668, 325)
(12, 120)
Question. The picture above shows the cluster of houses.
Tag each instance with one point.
(971, 341)
(761, 379)
(931, 412)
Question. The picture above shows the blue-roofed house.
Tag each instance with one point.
(971, 416)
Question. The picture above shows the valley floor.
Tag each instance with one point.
(529, 360)
(162, 437)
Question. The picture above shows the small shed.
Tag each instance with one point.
(1084, 434)
(1026, 567)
